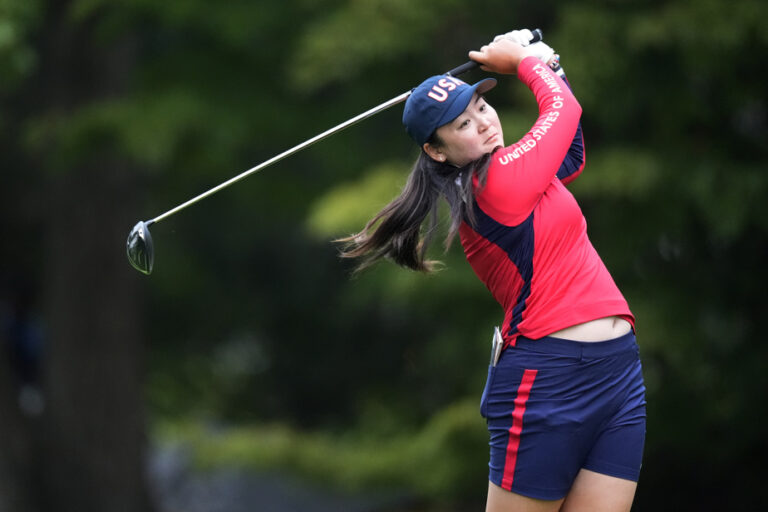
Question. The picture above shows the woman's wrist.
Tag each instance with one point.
(554, 65)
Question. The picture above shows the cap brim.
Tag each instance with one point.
(485, 85)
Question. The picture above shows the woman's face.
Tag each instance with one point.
(475, 132)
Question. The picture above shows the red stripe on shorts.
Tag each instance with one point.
(523, 392)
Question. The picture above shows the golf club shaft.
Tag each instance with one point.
(285, 154)
(469, 65)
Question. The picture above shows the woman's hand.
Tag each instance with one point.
(502, 56)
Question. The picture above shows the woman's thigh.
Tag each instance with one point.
(595, 492)
(500, 500)
(591, 492)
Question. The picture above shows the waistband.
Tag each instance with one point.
(561, 346)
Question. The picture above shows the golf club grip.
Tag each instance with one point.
(470, 64)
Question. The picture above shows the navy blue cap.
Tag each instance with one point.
(438, 100)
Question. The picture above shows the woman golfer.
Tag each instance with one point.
(564, 400)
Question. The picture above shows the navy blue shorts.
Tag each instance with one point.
(554, 406)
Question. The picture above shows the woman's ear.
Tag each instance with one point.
(433, 152)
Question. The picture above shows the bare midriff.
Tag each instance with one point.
(602, 329)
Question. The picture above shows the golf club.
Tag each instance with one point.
(139, 246)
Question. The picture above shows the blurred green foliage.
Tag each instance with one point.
(443, 461)
(252, 319)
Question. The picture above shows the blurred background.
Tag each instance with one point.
(252, 370)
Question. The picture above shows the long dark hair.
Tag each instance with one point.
(396, 232)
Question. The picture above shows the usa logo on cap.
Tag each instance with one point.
(440, 90)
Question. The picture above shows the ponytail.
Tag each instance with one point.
(396, 232)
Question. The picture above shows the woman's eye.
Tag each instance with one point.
(464, 124)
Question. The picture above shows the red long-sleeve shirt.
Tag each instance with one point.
(529, 245)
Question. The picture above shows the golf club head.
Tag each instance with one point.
(139, 248)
